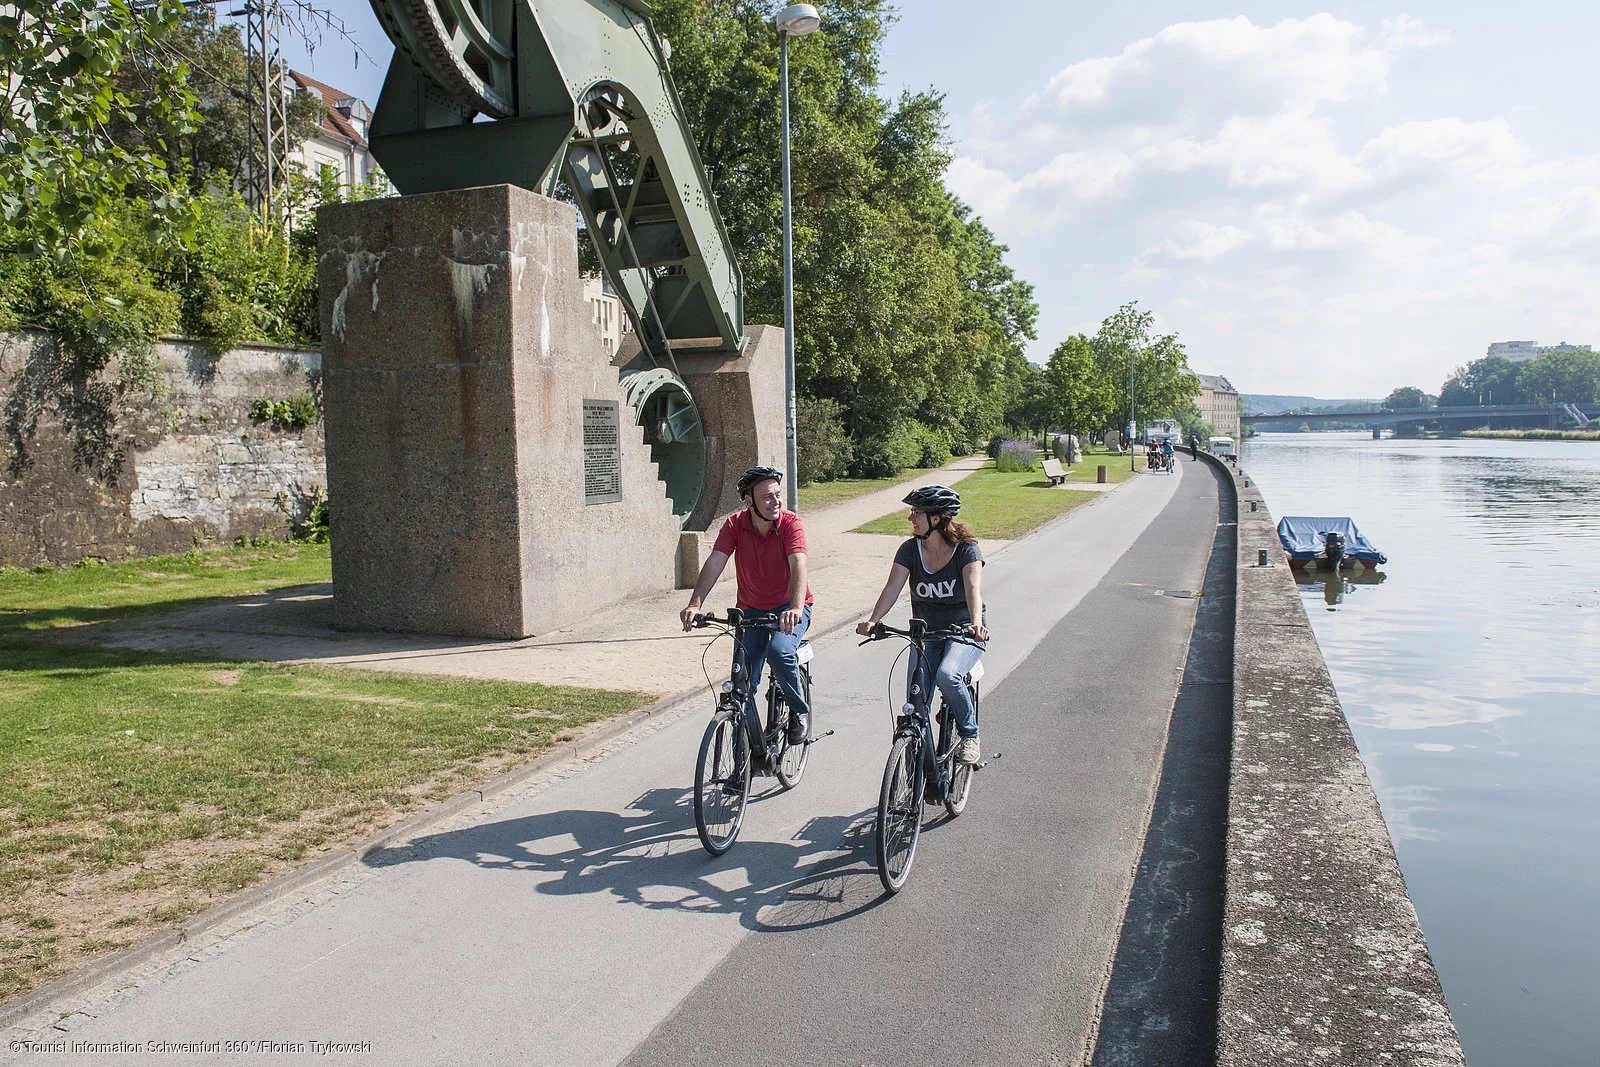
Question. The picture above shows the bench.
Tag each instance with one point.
(1053, 471)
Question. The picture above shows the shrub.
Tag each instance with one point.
(935, 446)
(298, 411)
(821, 442)
(886, 454)
(1016, 456)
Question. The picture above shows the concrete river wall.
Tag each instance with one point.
(1323, 959)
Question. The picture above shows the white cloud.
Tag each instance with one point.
(1259, 180)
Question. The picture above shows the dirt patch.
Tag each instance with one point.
(224, 677)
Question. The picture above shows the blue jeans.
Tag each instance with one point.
(949, 662)
(762, 646)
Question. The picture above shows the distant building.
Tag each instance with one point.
(1523, 351)
(340, 143)
(1219, 404)
(606, 313)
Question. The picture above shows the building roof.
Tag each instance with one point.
(1216, 383)
(335, 122)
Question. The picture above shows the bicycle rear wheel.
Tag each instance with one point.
(899, 822)
(958, 774)
(792, 758)
(721, 782)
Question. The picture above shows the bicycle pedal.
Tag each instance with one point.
(819, 737)
(985, 763)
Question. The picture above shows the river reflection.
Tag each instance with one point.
(1468, 677)
(1335, 585)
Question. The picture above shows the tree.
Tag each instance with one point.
(1162, 382)
(1568, 374)
(215, 150)
(908, 316)
(62, 173)
(1490, 380)
(1409, 398)
(1076, 396)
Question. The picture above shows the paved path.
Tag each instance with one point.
(575, 920)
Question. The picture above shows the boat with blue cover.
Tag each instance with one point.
(1326, 542)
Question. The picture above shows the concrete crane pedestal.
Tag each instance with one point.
(486, 476)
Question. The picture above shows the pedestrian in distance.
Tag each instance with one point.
(767, 543)
(942, 562)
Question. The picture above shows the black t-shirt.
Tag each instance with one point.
(940, 598)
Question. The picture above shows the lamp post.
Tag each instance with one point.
(1132, 462)
(796, 20)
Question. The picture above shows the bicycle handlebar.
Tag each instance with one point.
(732, 620)
(881, 630)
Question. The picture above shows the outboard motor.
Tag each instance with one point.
(1333, 549)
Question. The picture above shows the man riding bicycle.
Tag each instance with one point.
(944, 565)
(768, 546)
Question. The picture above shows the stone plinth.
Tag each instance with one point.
(458, 352)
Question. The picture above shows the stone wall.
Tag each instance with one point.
(194, 467)
(1323, 960)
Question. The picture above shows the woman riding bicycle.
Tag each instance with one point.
(945, 567)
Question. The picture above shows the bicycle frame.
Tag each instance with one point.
(916, 714)
(736, 698)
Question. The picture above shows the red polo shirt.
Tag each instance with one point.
(762, 561)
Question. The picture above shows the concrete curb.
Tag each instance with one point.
(1323, 959)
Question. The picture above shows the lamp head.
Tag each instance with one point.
(797, 20)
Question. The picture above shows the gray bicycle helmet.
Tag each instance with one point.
(935, 500)
(758, 474)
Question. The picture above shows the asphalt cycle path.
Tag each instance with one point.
(576, 920)
(998, 949)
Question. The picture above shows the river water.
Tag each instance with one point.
(1471, 678)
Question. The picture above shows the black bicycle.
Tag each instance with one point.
(736, 748)
(922, 766)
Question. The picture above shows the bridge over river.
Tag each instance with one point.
(1521, 415)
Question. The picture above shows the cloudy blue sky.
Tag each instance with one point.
(1333, 200)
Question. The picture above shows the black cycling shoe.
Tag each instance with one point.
(797, 730)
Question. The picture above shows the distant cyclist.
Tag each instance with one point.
(1166, 452)
(768, 546)
(945, 568)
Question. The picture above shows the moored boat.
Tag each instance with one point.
(1326, 543)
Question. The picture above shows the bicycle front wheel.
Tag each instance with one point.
(792, 758)
(721, 782)
(899, 823)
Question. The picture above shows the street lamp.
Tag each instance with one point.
(796, 20)
(1132, 463)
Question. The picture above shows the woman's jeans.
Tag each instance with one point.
(763, 646)
(950, 661)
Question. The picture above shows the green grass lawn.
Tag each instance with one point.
(819, 495)
(45, 598)
(136, 788)
(999, 505)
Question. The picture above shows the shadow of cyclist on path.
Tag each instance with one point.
(649, 856)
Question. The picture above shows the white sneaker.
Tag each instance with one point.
(970, 751)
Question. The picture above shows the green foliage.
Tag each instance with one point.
(1192, 423)
(309, 514)
(1570, 374)
(907, 312)
(1074, 394)
(1490, 380)
(103, 314)
(294, 413)
(935, 447)
(887, 452)
(216, 146)
(1409, 398)
(821, 444)
(1162, 382)
(62, 173)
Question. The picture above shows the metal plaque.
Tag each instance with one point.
(602, 452)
